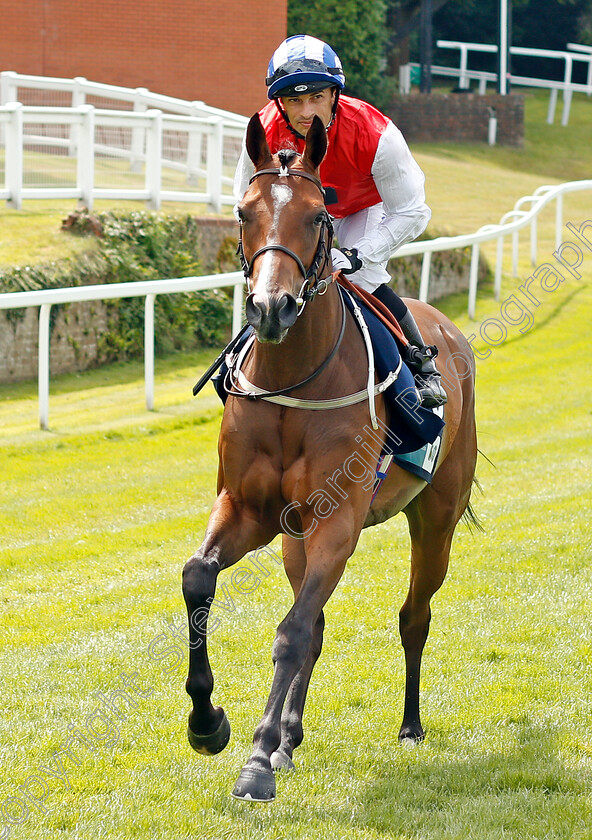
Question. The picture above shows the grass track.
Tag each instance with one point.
(98, 516)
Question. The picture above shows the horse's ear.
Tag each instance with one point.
(316, 144)
(256, 142)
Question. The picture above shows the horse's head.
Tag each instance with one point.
(285, 230)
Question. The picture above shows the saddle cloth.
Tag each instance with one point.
(414, 433)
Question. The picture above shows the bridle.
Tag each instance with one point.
(235, 382)
(312, 285)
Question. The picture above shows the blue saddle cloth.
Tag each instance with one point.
(412, 428)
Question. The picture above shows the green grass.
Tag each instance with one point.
(97, 518)
(98, 515)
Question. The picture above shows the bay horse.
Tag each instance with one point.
(275, 456)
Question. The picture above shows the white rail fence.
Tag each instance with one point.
(148, 289)
(464, 74)
(80, 91)
(510, 225)
(144, 147)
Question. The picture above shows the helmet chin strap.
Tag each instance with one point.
(291, 127)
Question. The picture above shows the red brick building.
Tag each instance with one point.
(193, 49)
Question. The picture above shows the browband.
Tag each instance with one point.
(284, 171)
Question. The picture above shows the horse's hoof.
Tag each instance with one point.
(281, 761)
(410, 743)
(409, 736)
(255, 785)
(214, 742)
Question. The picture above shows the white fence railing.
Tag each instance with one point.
(80, 91)
(510, 225)
(93, 151)
(71, 138)
(148, 289)
(464, 74)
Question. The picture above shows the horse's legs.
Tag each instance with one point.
(229, 536)
(429, 563)
(291, 650)
(432, 517)
(291, 723)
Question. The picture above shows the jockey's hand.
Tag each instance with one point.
(346, 260)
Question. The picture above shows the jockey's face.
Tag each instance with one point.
(303, 108)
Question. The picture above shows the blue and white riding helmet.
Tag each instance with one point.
(303, 64)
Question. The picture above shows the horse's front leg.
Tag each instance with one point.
(326, 560)
(291, 724)
(432, 518)
(231, 533)
(294, 557)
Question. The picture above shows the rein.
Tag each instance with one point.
(238, 380)
(309, 289)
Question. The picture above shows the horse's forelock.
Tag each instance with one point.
(287, 156)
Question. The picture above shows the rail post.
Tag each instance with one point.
(13, 165)
(154, 158)
(237, 308)
(43, 365)
(215, 148)
(499, 260)
(424, 283)
(149, 351)
(567, 90)
(533, 240)
(473, 278)
(558, 220)
(78, 99)
(515, 244)
(8, 93)
(194, 143)
(86, 155)
(8, 87)
(138, 133)
(552, 106)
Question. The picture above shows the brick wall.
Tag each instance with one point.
(73, 342)
(192, 49)
(458, 118)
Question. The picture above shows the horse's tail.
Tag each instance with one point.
(469, 517)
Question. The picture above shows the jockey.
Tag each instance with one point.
(380, 201)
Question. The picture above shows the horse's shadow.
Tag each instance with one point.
(521, 791)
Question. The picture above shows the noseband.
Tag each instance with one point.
(312, 285)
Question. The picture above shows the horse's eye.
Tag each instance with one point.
(240, 215)
(319, 219)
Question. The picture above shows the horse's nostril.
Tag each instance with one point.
(271, 317)
(255, 310)
(287, 310)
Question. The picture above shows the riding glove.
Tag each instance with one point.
(346, 260)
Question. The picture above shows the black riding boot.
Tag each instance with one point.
(419, 356)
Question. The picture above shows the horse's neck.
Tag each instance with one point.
(306, 346)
